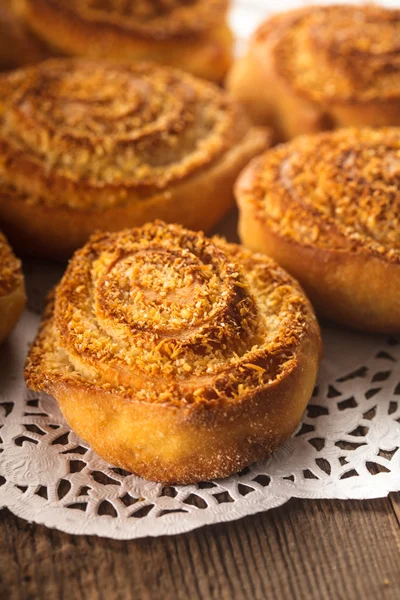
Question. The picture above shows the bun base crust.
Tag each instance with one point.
(270, 100)
(199, 203)
(208, 55)
(295, 115)
(12, 289)
(356, 290)
(197, 445)
(11, 307)
(183, 445)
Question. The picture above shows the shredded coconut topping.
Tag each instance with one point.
(10, 268)
(336, 53)
(162, 314)
(89, 134)
(336, 190)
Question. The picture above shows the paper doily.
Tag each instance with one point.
(346, 447)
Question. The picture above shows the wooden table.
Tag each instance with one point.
(305, 549)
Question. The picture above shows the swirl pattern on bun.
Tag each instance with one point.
(89, 146)
(327, 208)
(177, 357)
(323, 68)
(12, 289)
(190, 34)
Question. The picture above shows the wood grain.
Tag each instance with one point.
(304, 550)
(395, 502)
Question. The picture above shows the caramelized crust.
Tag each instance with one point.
(190, 34)
(89, 146)
(322, 68)
(177, 357)
(327, 208)
(12, 289)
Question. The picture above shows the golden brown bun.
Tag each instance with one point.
(88, 146)
(322, 68)
(327, 208)
(12, 289)
(177, 357)
(18, 45)
(193, 36)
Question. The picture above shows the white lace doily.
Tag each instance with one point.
(347, 445)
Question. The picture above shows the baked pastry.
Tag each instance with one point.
(88, 146)
(327, 208)
(18, 45)
(177, 357)
(12, 289)
(192, 35)
(321, 68)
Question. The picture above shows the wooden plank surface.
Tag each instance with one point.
(303, 550)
